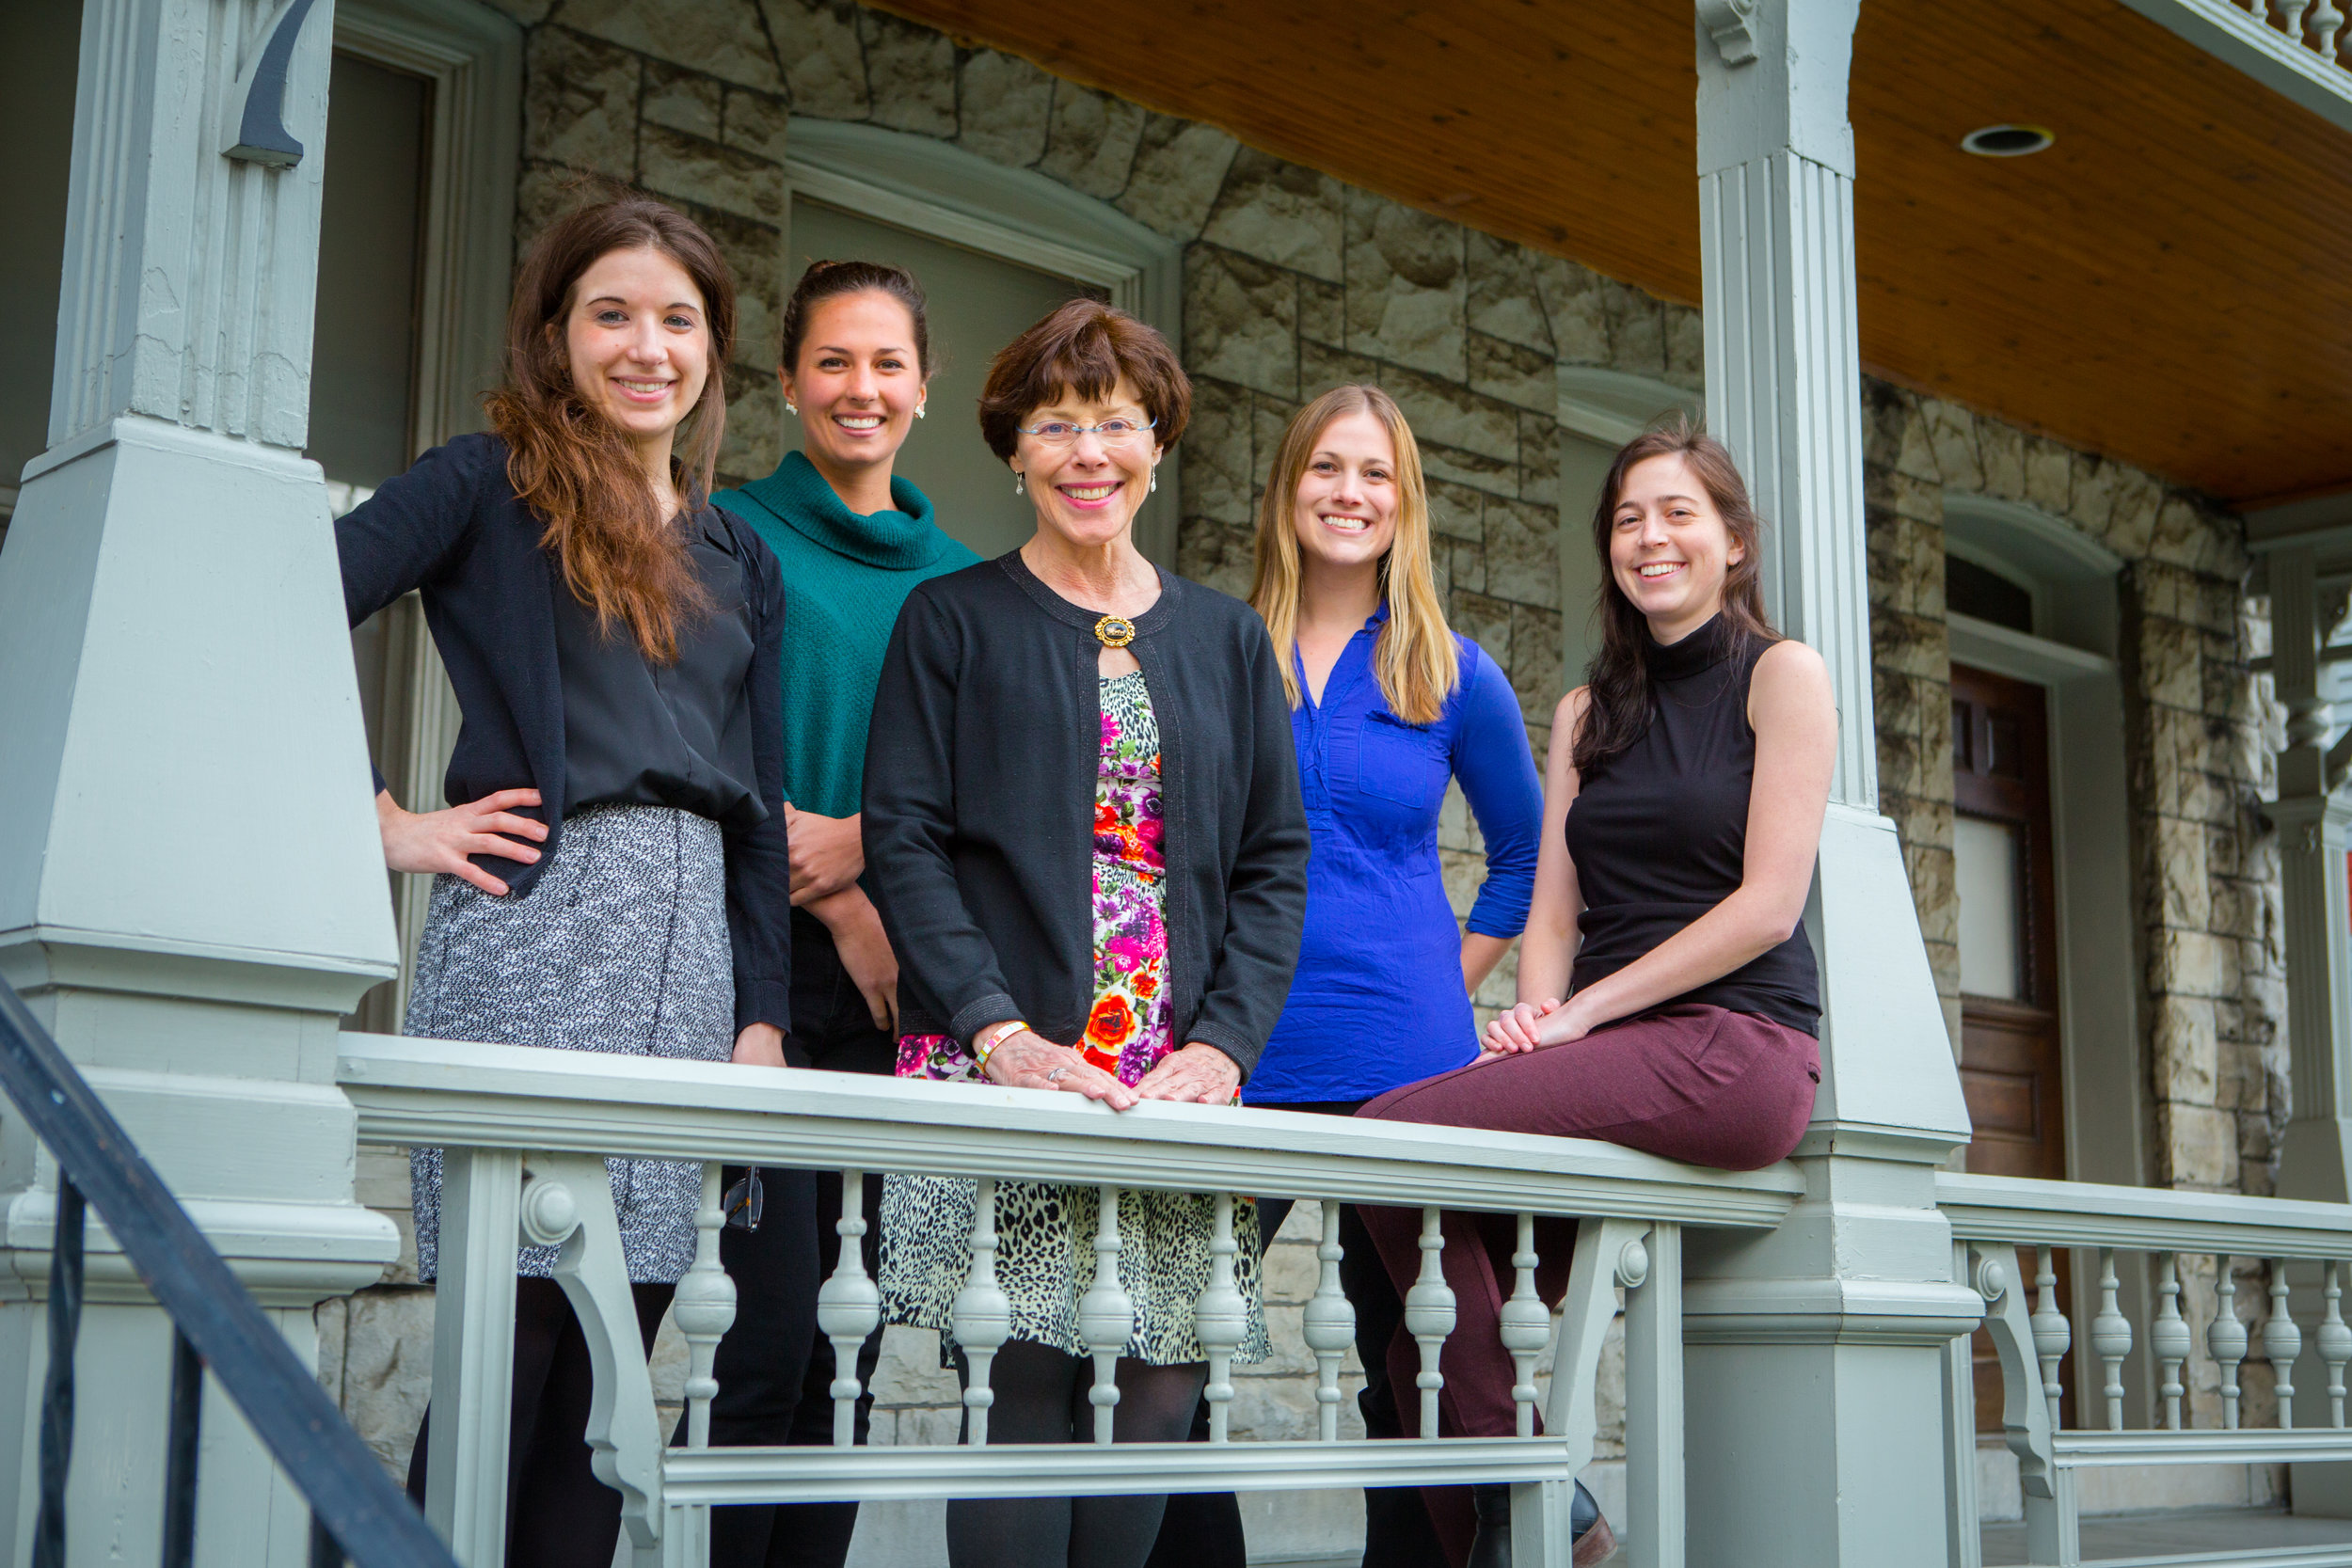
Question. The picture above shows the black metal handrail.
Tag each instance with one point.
(356, 1510)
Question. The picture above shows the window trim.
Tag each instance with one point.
(473, 56)
(948, 193)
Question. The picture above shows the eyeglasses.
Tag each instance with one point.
(1111, 433)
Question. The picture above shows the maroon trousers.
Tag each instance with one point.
(1693, 1083)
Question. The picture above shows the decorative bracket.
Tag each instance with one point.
(2025, 1413)
(1732, 25)
(258, 100)
(567, 1200)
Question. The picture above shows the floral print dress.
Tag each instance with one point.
(1046, 1232)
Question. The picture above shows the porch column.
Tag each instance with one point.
(1819, 1375)
(2316, 1160)
(191, 891)
(2314, 825)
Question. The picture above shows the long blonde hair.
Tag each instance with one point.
(1415, 658)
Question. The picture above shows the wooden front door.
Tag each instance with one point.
(2010, 1067)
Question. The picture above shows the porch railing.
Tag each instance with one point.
(356, 1510)
(525, 1132)
(2166, 1240)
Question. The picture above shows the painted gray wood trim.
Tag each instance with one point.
(718, 1477)
(513, 1097)
(949, 193)
(189, 277)
(474, 58)
(2159, 1219)
(2077, 1450)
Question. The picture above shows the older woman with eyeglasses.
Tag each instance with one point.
(1083, 831)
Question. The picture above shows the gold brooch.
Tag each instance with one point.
(1115, 631)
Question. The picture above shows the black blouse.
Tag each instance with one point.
(664, 734)
(1659, 833)
(453, 526)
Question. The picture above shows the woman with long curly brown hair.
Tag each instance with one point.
(613, 873)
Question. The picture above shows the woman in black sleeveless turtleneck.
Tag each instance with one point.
(1683, 805)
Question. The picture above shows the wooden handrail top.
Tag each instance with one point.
(425, 1091)
(2143, 1219)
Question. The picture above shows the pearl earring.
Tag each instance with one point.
(918, 410)
(791, 407)
(1017, 479)
(1155, 483)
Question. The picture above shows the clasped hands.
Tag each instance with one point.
(1199, 1073)
(1530, 1026)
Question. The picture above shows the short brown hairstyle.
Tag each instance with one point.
(1084, 347)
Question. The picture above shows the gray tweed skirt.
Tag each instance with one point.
(621, 946)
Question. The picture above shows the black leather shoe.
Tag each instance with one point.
(1491, 1546)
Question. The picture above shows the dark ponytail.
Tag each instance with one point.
(824, 280)
(1617, 696)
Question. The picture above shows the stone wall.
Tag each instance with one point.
(1293, 282)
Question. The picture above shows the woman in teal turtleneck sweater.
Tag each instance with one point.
(853, 541)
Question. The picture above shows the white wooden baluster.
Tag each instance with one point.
(2169, 1336)
(2327, 22)
(1107, 1316)
(2291, 17)
(2281, 1343)
(2111, 1338)
(1220, 1318)
(1429, 1318)
(982, 1317)
(2335, 1342)
(2052, 1334)
(849, 1307)
(2225, 1339)
(704, 1309)
(1331, 1324)
(1526, 1326)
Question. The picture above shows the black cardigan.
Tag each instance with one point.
(453, 526)
(980, 808)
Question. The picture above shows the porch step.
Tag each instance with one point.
(2239, 1537)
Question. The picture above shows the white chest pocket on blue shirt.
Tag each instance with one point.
(1400, 763)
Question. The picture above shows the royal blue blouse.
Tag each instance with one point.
(1378, 1000)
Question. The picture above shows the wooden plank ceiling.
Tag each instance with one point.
(2170, 283)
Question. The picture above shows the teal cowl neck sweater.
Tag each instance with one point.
(845, 577)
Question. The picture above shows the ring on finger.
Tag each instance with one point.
(1055, 1076)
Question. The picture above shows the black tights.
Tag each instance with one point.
(558, 1514)
(1042, 1398)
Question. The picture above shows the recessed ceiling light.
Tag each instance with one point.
(2006, 141)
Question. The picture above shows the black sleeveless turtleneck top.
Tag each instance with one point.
(1660, 835)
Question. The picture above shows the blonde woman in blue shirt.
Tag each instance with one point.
(1387, 705)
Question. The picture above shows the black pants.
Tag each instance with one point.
(558, 1514)
(1202, 1529)
(1043, 1396)
(775, 1372)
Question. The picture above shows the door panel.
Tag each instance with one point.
(2011, 1051)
